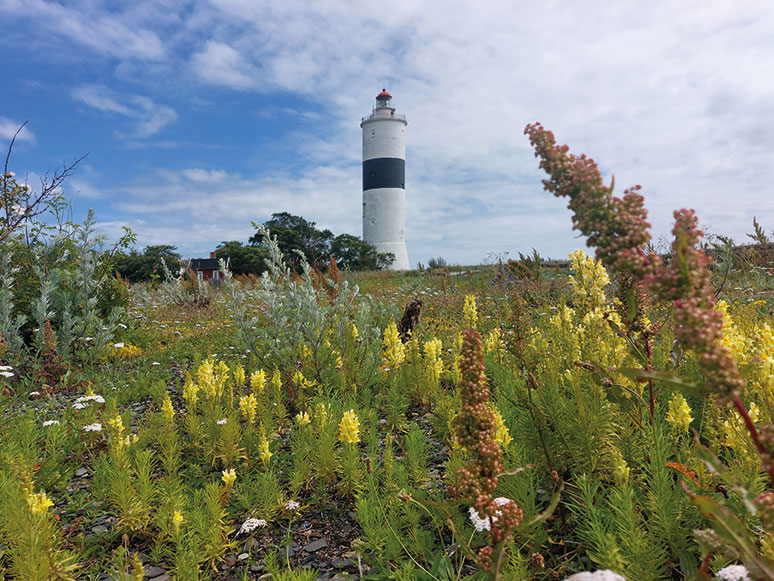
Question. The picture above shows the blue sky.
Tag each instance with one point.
(199, 117)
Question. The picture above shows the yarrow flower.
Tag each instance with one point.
(85, 401)
(251, 524)
(222, 422)
(95, 427)
(50, 423)
(483, 524)
(601, 575)
(292, 505)
(733, 573)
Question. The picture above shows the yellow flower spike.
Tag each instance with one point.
(248, 405)
(276, 380)
(393, 353)
(320, 414)
(501, 436)
(302, 419)
(38, 502)
(679, 414)
(239, 375)
(349, 428)
(735, 428)
(339, 362)
(190, 391)
(258, 381)
(353, 331)
(177, 520)
(167, 409)
(116, 424)
(433, 349)
(229, 477)
(263, 450)
(470, 312)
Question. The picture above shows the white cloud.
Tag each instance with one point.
(149, 117)
(219, 64)
(9, 127)
(104, 32)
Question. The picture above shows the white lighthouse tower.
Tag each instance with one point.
(384, 177)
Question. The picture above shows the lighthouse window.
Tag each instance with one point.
(373, 132)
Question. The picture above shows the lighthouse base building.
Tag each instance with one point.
(384, 171)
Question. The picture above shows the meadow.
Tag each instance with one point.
(532, 423)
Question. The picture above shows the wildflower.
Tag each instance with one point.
(251, 524)
(470, 312)
(5, 368)
(302, 382)
(228, 477)
(167, 409)
(276, 380)
(177, 520)
(302, 419)
(620, 468)
(117, 424)
(679, 414)
(258, 380)
(588, 282)
(736, 430)
(190, 391)
(6, 373)
(38, 502)
(483, 524)
(349, 428)
(292, 505)
(222, 422)
(248, 405)
(50, 423)
(263, 450)
(393, 353)
(239, 375)
(733, 573)
(95, 427)
(18, 210)
(501, 434)
(118, 345)
(339, 362)
(433, 359)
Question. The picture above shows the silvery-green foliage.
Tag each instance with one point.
(179, 290)
(285, 313)
(10, 325)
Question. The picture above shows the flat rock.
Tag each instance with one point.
(81, 472)
(315, 546)
(153, 572)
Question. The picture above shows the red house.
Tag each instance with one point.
(208, 268)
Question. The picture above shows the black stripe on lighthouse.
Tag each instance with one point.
(384, 172)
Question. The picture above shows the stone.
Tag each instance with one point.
(152, 572)
(99, 529)
(315, 546)
(242, 556)
(81, 472)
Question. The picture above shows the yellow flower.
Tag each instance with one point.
(321, 415)
(248, 406)
(229, 477)
(258, 381)
(177, 520)
(470, 312)
(588, 282)
(276, 380)
(621, 469)
(349, 428)
(501, 435)
(494, 341)
(302, 382)
(679, 414)
(167, 409)
(38, 502)
(393, 353)
(239, 375)
(735, 429)
(190, 391)
(339, 362)
(433, 359)
(302, 419)
(263, 450)
(117, 424)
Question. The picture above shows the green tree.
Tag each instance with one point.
(352, 253)
(294, 233)
(245, 259)
(141, 267)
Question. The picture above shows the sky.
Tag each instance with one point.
(199, 117)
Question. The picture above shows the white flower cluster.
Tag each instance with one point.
(6, 371)
(50, 423)
(482, 524)
(85, 400)
(251, 524)
(733, 573)
(292, 505)
(222, 422)
(95, 427)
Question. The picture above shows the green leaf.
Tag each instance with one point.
(662, 377)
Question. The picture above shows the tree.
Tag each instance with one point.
(141, 267)
(245, 259)
(295, 233)
(352, 253)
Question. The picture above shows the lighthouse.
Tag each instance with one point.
(384, 180)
